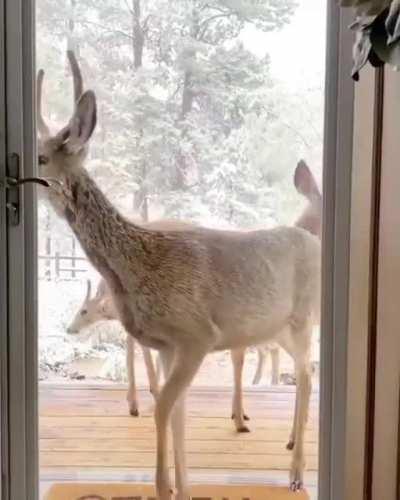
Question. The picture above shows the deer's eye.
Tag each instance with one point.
(43, 160)
(83, 312)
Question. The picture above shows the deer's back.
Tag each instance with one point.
(246, 285)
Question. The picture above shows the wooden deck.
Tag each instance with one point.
(86, 434)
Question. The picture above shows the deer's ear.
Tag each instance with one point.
(83, 122)
(304, 181)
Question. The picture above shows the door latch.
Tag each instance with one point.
(11, 183)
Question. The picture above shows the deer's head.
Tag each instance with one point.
(67, 148)
(92, 309)
(304, 181)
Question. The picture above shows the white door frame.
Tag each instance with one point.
(20, 448)
(3, 275)
(338, 156)
(21, 337)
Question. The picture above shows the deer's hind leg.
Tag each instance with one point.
(261, 359)
(275, 365)
(301, 335)
(238, 414)
(151, 372)
(130, 369)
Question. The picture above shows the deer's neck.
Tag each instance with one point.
(111, 243)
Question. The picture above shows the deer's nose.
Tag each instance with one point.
(71, 331)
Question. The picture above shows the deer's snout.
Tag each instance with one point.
(72, 331)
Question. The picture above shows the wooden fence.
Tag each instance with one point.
(54, 265)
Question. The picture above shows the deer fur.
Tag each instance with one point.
(101, 307)
(188, 293)
(310, 220)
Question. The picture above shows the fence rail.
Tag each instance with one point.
(54, 265)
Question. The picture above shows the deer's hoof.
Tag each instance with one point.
(134, 412)
(290, 445)
(243, 428)
(245, 417)
(296, 486)
(296, 476)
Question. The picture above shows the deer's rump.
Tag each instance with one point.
(267, 281)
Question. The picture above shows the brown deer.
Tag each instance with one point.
(310, 220)
(101, 307)
(187, 293)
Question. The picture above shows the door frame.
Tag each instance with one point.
(3, 274)
(337, 182)
(21, 381)
(19, 343)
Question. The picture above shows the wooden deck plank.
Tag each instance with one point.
(240, 446)
(278, 392)
(221, 433)
(143, 459)
(120, 409)
(84, 429)
(143, 422)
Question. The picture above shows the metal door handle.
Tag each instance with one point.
(11, 184)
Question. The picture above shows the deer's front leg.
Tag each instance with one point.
(238, 414)
(180, 366)
(130, 369)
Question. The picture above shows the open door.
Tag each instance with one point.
(19, 340)
(18, 280)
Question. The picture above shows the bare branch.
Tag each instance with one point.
(105, 28)
(145, 25)
(128, 7)
(204, 25)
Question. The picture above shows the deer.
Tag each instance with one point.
(186, 293)
(101, 307)
(310, 220)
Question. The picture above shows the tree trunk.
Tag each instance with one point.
(103, 131)
(140, 198)
(186, 107)
(137, 35)
(71, 42)
(187, 94)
